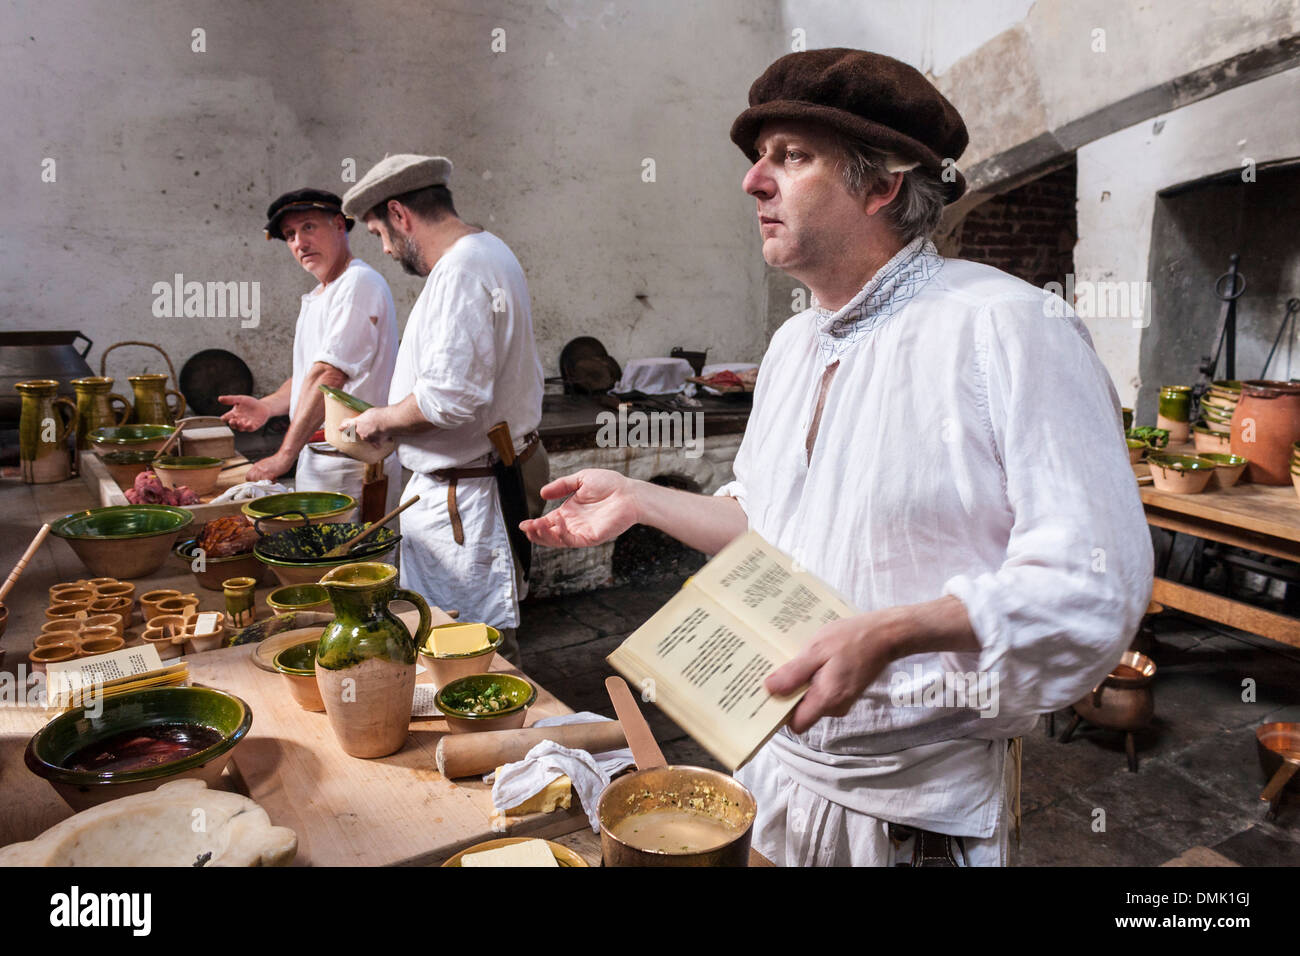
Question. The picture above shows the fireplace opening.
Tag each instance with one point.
(643, 553)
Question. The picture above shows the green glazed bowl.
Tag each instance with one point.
(186, 462)
(51, 747)
(299, 659)
(521, 693)
(131, 437)
(295, 553)
(1182, 462)
(350, 402)
(1224, 461)
(298, 597)
(136, 457)
(123, 541)
(319, 506)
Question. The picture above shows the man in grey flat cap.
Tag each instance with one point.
(467, 361)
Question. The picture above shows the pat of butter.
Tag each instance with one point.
(556, 795)
(457, 639)
(528, 853)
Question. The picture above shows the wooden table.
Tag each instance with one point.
(1263, 518)
(395, 810)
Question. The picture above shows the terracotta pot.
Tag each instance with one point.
(1174, 412)
(149, 601)
(1265, 423)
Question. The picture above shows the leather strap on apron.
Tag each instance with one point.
(929, 849)
(452, 475)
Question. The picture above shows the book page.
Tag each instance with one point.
(65, 680)
(760, 586)
(706, 670)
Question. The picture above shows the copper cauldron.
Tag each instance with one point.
(1123, 702)
(677, 788)
(1278, 746)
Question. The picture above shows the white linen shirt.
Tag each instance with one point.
(970, 444)
(334, 326)
(468, 356)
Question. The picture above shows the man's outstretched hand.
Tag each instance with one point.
(602, 506)
(249, 413)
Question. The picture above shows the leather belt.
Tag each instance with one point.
(930, 849)
(452, 475)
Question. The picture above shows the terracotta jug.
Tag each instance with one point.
(365, 662)
(95, 400)
(43, 432)
(151, 400)
(1264, 424)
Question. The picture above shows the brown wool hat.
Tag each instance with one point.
(873, 97)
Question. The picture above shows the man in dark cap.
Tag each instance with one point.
(346, 338)
(467, 362)
(915, 442)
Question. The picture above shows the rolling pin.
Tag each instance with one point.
(464, 755)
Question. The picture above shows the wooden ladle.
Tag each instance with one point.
(645, 750)
(344, 549)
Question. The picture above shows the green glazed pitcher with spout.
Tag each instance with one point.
(365, 662)
(153, 405)
(95, 400)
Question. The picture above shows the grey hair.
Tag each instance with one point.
(915, 211)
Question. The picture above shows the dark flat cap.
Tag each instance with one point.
(872, 97)
(298, 201)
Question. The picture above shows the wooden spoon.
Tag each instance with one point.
(22, 562)
(645, 751)
(171, 439)
(342, 550)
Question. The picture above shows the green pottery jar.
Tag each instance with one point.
(365, 662)
(1174, 412)
(95, 399)
(43, 432)
(152, 406)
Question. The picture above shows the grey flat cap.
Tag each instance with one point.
(392, 176)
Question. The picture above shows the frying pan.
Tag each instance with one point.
(210, 373)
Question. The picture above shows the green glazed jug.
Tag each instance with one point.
(95, 399)
(151, 400)
(43, 432)
(365, 662)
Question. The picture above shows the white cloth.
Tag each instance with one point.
(248, 490)
(654, 376)
(350, 324)
(320, 470)
(969, 445)
(468, 357)
(589, 773)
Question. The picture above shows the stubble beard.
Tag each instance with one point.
(409, 255)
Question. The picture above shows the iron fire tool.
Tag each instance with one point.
(510, 489)
(1227, 338)
(1288, 319)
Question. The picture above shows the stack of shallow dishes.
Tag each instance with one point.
(291, 509)
(296, 554)
(1295, 467)
(1218, 404)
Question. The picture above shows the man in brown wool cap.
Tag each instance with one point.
(914, 443)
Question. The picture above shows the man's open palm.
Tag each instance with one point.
(601, 507)
(248, 414)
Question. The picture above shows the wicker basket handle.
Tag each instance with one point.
(103, 359)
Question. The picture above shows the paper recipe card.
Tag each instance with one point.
(704, 655)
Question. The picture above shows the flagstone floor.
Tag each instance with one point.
(1198, 781)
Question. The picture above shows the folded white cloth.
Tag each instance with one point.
(654, 376)
(249, 490)
(548, 761)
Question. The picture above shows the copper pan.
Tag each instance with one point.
(1278, 745)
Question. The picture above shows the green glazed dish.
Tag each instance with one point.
(186, 462)
(122, 523)
(298, 597)
(129, 436)
(343, 398)
(519, 693)
(307, 544)
(318, 506)
(143, 457)
(1223, 460)
(51, 748)
(298, 659)
(1182, 462)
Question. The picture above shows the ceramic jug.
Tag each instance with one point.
(95, 400)
(365, 662)
(43, 432)
(151, 400)
(1264, 424)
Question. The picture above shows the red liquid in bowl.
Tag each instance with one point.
(143, 747)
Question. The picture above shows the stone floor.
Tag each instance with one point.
(1198, 782)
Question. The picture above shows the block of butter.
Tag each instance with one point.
(556, 795)
(527, 853)
(457, 639)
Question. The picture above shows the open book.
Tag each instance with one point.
(704, 655)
